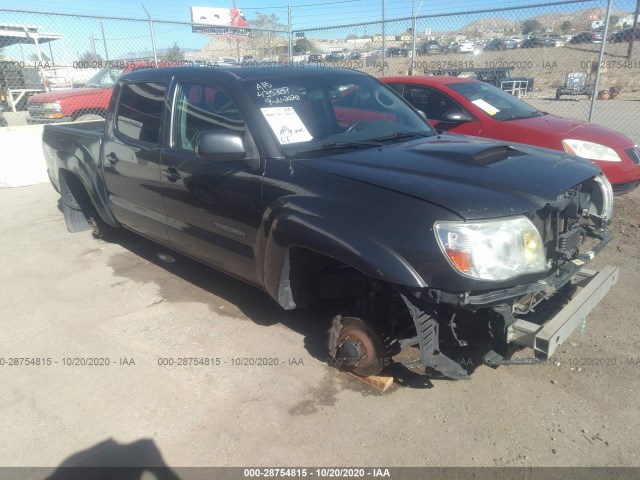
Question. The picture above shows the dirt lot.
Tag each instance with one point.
(68, 297)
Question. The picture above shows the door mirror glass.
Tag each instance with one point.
(456, 116)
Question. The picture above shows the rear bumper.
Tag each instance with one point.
(544, 338)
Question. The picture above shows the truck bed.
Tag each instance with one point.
(79, 139)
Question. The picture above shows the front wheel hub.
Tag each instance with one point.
(356, 346)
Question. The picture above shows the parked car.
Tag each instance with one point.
(429, 47)
(459, 47)
(587, 37)
(323, 186)
(552, 41)
(532, 42)
(625, 35)
(86, 103)
(470, 107)
(495, 44)
(512, 43)
(314, 58)
(397, 52)
(335, 57)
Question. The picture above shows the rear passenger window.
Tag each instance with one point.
(139, 111)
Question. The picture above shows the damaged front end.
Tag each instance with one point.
(540, 313)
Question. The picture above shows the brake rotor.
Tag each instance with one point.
(357, 346)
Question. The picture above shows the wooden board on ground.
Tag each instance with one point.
(380, 383)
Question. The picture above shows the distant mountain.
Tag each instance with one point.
(580, 20)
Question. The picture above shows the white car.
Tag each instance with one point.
(466, 47)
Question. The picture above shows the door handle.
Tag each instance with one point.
(171, 174)
(113, 159)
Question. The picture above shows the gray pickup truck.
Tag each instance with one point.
(323, 185)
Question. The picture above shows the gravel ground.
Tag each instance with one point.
(69, 296)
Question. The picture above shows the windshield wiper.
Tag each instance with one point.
(338, 146)
(402, 134)
(537, 113)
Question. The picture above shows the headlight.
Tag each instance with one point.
(602, 200)
(54, 107)
(591, 151)
(45, 110)
(492, 249)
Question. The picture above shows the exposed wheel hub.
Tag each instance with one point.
(356, 346)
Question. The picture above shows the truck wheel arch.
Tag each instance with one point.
(305, 233)
(80, 199)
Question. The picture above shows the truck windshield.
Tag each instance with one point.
(329, 112)
(497, 103)
(105, 78)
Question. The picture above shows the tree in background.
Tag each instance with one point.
(565, 27)
(90, 57)
(303, 45)
(266, 40)
(173, 54)
(531, 26)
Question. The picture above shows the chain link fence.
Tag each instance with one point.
(556, 56)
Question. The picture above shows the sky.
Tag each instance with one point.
(305, 14)
(122, 36)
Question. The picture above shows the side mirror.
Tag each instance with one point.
(222, 146)
(456, 116)
(422, 114)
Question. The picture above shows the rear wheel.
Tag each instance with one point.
(99, 228)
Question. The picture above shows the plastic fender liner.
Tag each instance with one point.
(341, 242)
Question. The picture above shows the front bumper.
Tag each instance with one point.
(43, 121)
(544, 338)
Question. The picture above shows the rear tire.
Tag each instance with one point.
(99, 228)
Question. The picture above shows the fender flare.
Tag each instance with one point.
(80, 163)
(345, 244)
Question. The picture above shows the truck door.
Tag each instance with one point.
(132, 159)
(213, 207)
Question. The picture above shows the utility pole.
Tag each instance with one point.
(634, 30)
(104, 40)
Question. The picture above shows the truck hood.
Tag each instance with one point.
(51, 97)
(576, 129)
(469, 176)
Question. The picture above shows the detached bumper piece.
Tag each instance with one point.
(430, 354)
(544, 338)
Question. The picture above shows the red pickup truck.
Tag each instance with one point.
(86, 103)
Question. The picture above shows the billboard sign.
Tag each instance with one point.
(219, 21)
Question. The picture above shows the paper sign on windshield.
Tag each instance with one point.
(487, 107)
(286, 124)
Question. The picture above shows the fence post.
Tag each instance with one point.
(290, 33)
(634, 29)
(600, 57)
(413, 41)
(384, 40)
(153, 38)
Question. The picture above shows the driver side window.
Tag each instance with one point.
(203, 107)
(432, 102)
